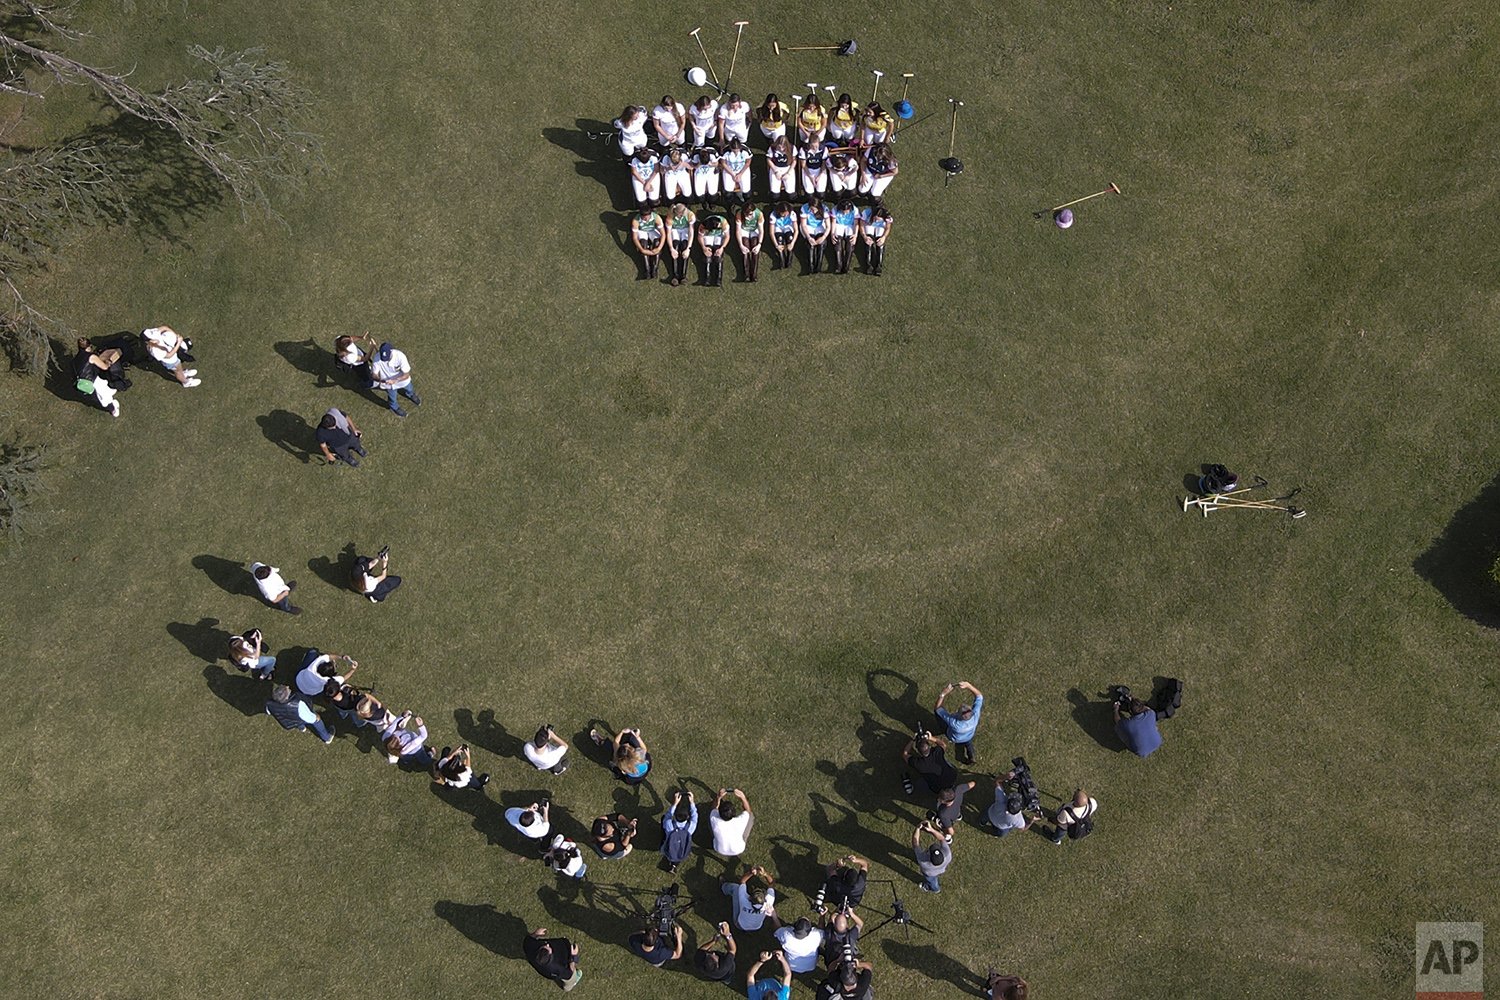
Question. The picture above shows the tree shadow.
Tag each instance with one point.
(336, 573)
(488, 734)
(1097, 718)
(237, 690)
(289, 432)
(229, 576)
(203, 640)
(311, 357)
(502, 933)
(927, 960)
(617, 224)
(895, 694)
(164, 186)
(1460, 562)
(597, 159)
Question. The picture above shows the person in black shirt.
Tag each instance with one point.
(553, 958)
(926, 756)
(950, 803)
(717, 966)
(841, 928)
(650, 945)
(847, 981)
(845, 881)
(338, 442)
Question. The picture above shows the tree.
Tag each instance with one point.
(240, 118)
(20, 479)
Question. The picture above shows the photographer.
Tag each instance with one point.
(248, 653)
(847, 981)
(926, 757)
(949, 811)
(841, 930)
(716, 966)
(553, 958)
(1074, 821)
(1002, 987)
(631, 761)
(1135, 723)
(751, 903)
(532, 822)
(800, 943)
(547, 751)
(372, 577)
(963, 723)
(932, 860)
(678, 824)
(770, 988)
(564, 858)
(454, 769)
(654, 947)
(844, 882)
(729, 829)
(399, 742)
(613, 836)
(318, 669)
(1008, 813)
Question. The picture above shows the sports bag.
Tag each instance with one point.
(678, 845)
(1081, 826)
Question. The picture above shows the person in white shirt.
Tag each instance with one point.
(533, 821)
(705, 175)
(676, 176)
(391, 372)
(166, 345)
(645, 175)
(454, 769)
(318, 668)
(704, 117)
(751, 904)
(276, 591)
(399, 742)
(736, 169)
(734, 118)
(372, 576)
(801, 943)
(730, 830)
(564, 857)
(547, 751)
(670, 119)
(632, 126)
(351, 354)
(1070, 818)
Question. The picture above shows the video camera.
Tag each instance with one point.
(667, 908)
(1021, 785)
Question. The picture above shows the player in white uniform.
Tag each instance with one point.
(843, 172)
(875, 225)
(704, 117)
(705, 175)
(735, 162)
(734, 117)
(814, 167)
(880, 169)
(632, 126)
(781, 166)
(645, 176)
(676, 175)
(670, 119)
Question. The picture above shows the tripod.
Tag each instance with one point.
(899, 914)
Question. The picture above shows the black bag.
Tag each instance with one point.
(1169, 698)
(1218, 479)
(678, 845)
(1081, 826)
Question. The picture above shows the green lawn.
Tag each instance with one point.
(766, 524)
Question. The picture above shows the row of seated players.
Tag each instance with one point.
(705, 172)
(709, 119)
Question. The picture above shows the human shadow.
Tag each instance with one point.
(582, 906)
(632, 800)
(501, 932)
(895, 695)
(237, 690)
(869, 782)
(487, 814)
(927, 960)
(795, 863)
(337, 572)
(229, 576)
(487, 733)
(1460, 563)
(839, 824)
(617, 224)
(597, 159)
(1096, 718)
(289, 432)
(203, 640)
(311, 357)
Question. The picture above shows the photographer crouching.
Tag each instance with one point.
(661, 940)
(1135, 722)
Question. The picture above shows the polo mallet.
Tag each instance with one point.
(904, 110)
(707, 61)
(831, 87)
(952, 164)
(1112, 189)
(876, 92)
(844, 48)
(740, 25)
(1296, 512)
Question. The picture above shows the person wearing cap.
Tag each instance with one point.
(713, 964)
(752, 903)
(276, 590)
(399, 743)
(932, 859)
(963, 723)
(669, 118)
(248, 653)
(880, 169)
(734, 119)
(293, 712)
(553, 958)
(339, 438)
(350, 357)
(771, 987)
(801, 943)
(532, 822)
(167, 346)
(389, 370)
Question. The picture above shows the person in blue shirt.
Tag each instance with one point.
(875, 225)
(845, 223)
(784, 232)
(681, 820)
(769, 988)
(963, 723)
(1135, 724)
(815, 231)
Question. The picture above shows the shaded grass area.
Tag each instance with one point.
(766, 526)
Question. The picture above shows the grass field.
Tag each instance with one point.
(766, 524)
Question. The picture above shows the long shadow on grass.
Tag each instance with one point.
(237, 690)
(795, 864)
(337, 572)
(203, 640)
(489, 815)
(618, 226)
(1460, 563)
(896, 696)
(289, 432)
(839, 824)
(311, 357)
(486, 733)
(1095, 717)
(928, 960)
(229, 576)
(602, 912)
(500, 932)
(596, 159)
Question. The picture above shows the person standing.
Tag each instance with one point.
(874, 227)
(534, 822)
(927, 757)
(646, 234)
(1007, 813)
(963, 723)
(168, 347)
(815, 231)
(553, 958)
(678, 824)
(670, 121)
(713, 237)
(932, 859)
(547, 751)
(784, 227)
(749, 231)
(771, 987)
(373, 578)
(400, 742)
(1075, 820)
(339, 443)
(389, 370)
(276, 591)
(680, 228)
(350, 357)
(772, 117)
(293, 712)
(704, 116)
(318, 669)
(950, 805)
(248, 653)
(751, 903)
(645, 176)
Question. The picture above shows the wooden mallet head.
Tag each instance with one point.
(776, 46)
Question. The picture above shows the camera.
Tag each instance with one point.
(1120, 695)
(922, 732)
(1023, 786)
(384, 553)
(667, 908)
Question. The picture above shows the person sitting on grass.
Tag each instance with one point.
(753, 899)
(454, 769)
(771, 987)
(564, 858)
(613, 836)
(372, 576)
(845, 881)
(716, 965)
(547, 751)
